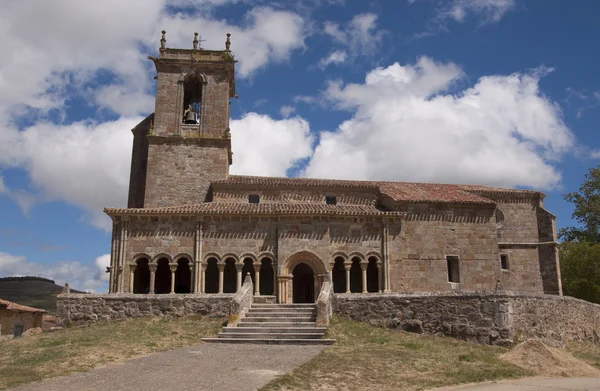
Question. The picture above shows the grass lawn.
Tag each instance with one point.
(373, 358)
(75, 349)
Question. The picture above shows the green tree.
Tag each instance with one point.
(587, 210)
(580, 270)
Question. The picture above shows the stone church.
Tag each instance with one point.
(192, 228)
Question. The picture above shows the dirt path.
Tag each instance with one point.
(208, 367)
(536, 384)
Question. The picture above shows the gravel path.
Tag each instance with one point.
(207, 367)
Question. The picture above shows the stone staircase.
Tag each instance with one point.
(284, 324)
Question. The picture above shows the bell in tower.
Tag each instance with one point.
(185, 144)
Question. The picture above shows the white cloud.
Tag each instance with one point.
(487, 10)
(337, 57)
(85, 163)
(286, 111)
(92, 278)
(407, 126)
(360, 35)
(264, 146)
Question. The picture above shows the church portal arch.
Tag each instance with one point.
(302, 276)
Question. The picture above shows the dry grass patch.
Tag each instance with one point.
(43, 356)
(372, 358)
(587, 352)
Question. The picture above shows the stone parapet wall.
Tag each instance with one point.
(83, 309)
(483, 317)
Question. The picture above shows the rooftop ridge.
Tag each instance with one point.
(18, 307)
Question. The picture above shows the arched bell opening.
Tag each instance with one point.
(230, 276)
(266, 277)
(192, 99)
(355, 276)
(338, 275)
(303, 284)
(211, 276)
(372, 275)
(141, 278)
(248, 269)
(162, 280)
(183, 276)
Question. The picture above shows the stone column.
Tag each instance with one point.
(386, 257)
(363, 269)
(192, 282)
(274, 277)
(238, 280)
(221, 267)
(202, 278)
(347, 267)
(379, 276)
(331, 266)
(257, 279)
(152, 266)
(131, 277)
(173, 267)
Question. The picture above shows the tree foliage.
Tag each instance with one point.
(587, 210)
(580, 270)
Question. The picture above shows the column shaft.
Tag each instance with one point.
(131, 277)
(363, 268)
(221, 272)
(347, 278)
(257, 280)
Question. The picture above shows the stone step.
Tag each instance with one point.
(276, 324)
(299, 306)
(264, 299)
(277, 330)
(257, 314)
(272, 335)
(270, 319)
(271, 341)
(282, 309)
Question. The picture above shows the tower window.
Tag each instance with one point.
(192, 99)
(254, 198)
(504, 262)
(453, 268)
(331, 200)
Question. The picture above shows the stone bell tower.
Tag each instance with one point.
(186, 143)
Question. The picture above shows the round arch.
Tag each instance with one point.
(157, 257)
(210, 255)
(313, 272)
(307, 257)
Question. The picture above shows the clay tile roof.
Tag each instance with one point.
(242, 180)
(256, 209)
(430, 192)
(18, 307)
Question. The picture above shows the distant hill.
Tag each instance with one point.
(35, 292)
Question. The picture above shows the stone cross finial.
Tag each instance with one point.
(66, 289)
(195, 41)
(228, 42)
(163, 40)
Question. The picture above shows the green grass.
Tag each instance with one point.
(373, 358)
(75, 349)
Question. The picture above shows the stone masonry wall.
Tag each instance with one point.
(483, 317)
(180, 170)
(139, 162)
(291, 195)
(9, 319)
(80, 309)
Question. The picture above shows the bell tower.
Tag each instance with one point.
(186, 143)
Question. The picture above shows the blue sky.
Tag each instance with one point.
(496, 92)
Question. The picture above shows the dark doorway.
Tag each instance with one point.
(230, 276)
(339, 276)
(266, 277)
(183, 276)
(211, 276)
(356, 276)
(304, 284)
(141, 277)
(372, 275)
(162, 280)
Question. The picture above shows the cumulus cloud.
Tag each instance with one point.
(360, 35)
(286, 111)
(92, 278)
(337, 57)
(406, 125)
(264, 146)
(85, 163)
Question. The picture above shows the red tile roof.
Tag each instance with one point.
(243, 180)
(18, 307)
(222, 208)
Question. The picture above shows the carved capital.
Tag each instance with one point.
(152, 266)
(239, 266)
(221, 266)
(347, 265)
(173, 267)
(364, 265)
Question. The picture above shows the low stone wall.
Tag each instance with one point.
(483, 317)
(82, 309)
